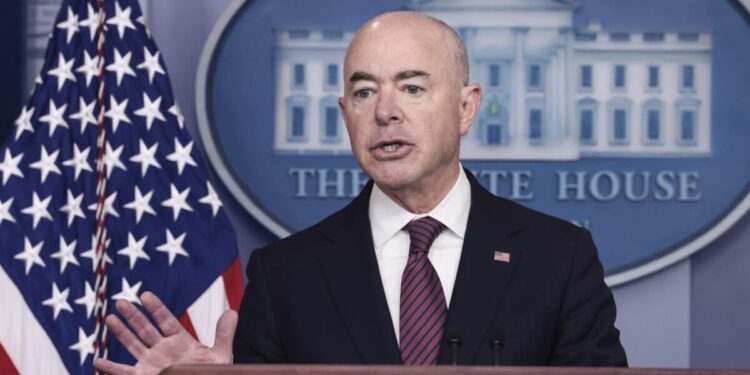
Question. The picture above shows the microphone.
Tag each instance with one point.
(453, 338)
(497, 342)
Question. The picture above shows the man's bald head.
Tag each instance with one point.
(445, 37)
(406, 105)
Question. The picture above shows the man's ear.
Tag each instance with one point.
(471, 99)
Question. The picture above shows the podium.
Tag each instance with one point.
(432, 370)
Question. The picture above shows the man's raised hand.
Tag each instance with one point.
(157, 350)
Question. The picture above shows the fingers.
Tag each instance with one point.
(123, 334)
(167, 322)
(140, 325)
(108, 367)
(225, 328)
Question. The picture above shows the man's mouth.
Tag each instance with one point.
(390, 147)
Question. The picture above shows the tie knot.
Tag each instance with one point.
(422, 232)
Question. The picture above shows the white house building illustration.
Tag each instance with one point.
(551, 92)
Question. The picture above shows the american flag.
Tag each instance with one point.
(103, 195)
(501, 256)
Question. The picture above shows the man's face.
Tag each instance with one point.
(403, 105)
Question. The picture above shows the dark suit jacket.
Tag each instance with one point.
(316, 296)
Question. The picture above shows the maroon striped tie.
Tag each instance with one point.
(423, 309)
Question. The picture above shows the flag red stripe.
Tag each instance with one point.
(6, 364)
(233, 284)
(188, 324)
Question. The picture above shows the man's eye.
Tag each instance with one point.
(413, 90)
(363, 93)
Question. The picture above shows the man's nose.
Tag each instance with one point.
(388, 110)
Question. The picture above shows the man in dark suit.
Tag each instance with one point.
(316, 297)
(424, 266)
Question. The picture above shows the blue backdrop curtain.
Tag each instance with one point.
(12, 67)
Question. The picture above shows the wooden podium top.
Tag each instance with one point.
(436, 370)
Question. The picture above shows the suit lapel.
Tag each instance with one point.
(353, 276)
(481, 280)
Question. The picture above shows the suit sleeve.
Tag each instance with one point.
(586, 333)
(256, 339)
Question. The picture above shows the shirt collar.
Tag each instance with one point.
(387, 218)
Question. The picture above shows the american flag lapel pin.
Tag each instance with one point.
(501, 256)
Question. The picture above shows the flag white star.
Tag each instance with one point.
(5, 211)
(73, 207)
(70, 25)
(134, 250)
(66, 254)
(173, 246)
(151, 64)
(58, 301)
(91, 253)
(121, 66)
(47, 163)
(109, 205)
(91, 21)
(90, 67)
(30, 254)
(211, 199)
(181, 155)
(9, 166)
(150, 111)
(38, 79)
(112, 159)
(141, 204)
(142, 21)
(146, 157)
(177, 112)
(177, 201)
(117, 113)
(88, 300)
(121, 19)
(38, 209)
(54, 117)
(23, 122)
(129, 293)
(63, 72)
(85, 345)
(85, 114)
(79, 161)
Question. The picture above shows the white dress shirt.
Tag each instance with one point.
(391, 240)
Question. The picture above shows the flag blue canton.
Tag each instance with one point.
(165, 227)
